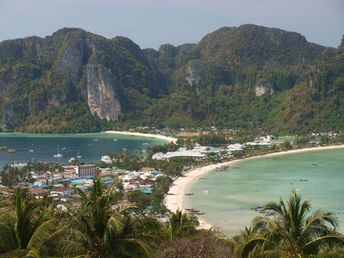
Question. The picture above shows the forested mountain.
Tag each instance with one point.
(239, 77)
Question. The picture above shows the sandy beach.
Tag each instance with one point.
(175, 198)
(156, 136)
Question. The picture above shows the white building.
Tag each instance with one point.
(106, 159)
(258, 143)
(235, 147)
(181, 152)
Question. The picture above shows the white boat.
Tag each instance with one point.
(71, 160)
(58, 155)
(79, 156)
(32, 148)
(115, 140)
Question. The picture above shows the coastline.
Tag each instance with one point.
(176, 194)
(149, 135)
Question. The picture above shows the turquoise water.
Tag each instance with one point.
(227, 197)
(91, 146)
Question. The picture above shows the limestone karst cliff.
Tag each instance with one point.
(239, 77)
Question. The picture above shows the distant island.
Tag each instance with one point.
(236, 77)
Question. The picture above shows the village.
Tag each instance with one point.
(61, 183)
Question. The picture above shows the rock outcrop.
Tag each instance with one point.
(264, 88)
(191, 76)
(101, 95)
(70, 67)
(7, 120)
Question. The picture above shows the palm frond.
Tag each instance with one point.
(42, 234)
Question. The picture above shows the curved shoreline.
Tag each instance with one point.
(149, 135)
(175, 197)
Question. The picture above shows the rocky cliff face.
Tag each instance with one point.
(72, 56)
(191, 76)
(72, 66)
(7, 120)
(264, 88)
(72, 79)
(101, 95)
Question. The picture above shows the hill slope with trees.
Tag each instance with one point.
(239, 77)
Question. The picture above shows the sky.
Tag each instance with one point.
(151, 23)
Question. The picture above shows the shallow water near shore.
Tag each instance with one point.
(227, 196)
(91, 146)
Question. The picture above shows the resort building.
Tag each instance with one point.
(234, 147)
(181, 152)
(87, 170)
(69, 170)
(258, 143)
(198, 153)
(106, 159)
(81, 170)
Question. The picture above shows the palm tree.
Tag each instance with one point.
(242, 243)
(181, 224)
(292, 232)
(100, 230)
(28, 232)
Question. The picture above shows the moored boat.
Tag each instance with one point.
(58, 154)
(79, 156)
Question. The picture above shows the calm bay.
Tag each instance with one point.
(227, 197)
(90, 146)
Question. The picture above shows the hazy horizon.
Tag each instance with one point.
(151, 23)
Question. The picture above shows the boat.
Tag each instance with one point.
(12, 151)
(115, 140)
(79, 156)
(206, 191)
(192, 210)
(31, 150)
(58, 154)
(258, 208)
(3, 148)
(189, 194)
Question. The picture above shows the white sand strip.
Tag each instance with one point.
(156, 136)
(175, 198)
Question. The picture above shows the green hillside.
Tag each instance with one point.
(239, 77)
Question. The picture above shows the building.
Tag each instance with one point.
(181, 152)
(70, 170)
(87, 170)
(235, 147)
(106, 159)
